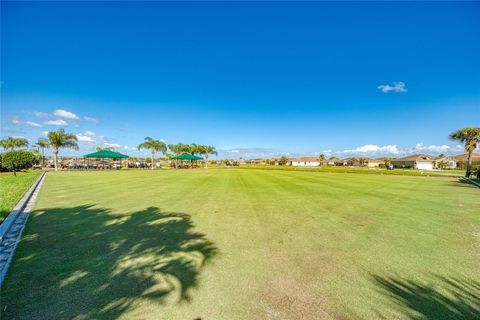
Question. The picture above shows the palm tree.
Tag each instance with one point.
(206, 150)
(43, 143)
(194, 148)
(13, 142)
(174, 148)
(61, 139)
(471, 138)
(154, 145)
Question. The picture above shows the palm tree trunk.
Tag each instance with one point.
(206, 160)
(55, 158)
(153, 158)
(469, 164)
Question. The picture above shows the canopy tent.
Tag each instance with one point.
(106, 154)
(186, 156)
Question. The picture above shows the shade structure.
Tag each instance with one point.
(186, 156)
(106, 154)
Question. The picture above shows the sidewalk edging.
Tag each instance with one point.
(467, 180)
(11, 232)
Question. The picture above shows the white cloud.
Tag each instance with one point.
(58, 122)
(33, 124)
(40, 114)
(112, 145)
(394, 151)
(85, 138)
(15, 121)
(90, 119)
(89, 136)
(419, 147)
(373, 149)
(65, 114)
(397, 87)
(44, 133)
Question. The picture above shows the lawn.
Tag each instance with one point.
(12, 189)
(365, 170)
(247, 244)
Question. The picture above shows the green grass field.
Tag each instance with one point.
(365, 170)
(247, 244)
(12, 189)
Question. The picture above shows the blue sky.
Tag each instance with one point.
(252, 79)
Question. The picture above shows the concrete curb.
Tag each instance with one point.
(467, 180)
(12, 227)
(12, 216)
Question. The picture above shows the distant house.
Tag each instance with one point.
(372, 163)
(445, 162)
(416, 161)
(305, 162)
(462, 159)
(348, 162)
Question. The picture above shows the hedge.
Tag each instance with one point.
(18, 159)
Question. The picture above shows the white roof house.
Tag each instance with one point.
(305, 162)
(416, 161)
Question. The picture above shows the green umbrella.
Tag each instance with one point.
(106, 154)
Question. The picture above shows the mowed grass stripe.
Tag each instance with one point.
(293, 244)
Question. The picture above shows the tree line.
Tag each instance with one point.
(470, 137)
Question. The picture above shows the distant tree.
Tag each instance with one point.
(363, 161)
(442, 165)
(174, 148)
(61, 139)
(471, 138)
(104, 149)
(387, 161)
(441, 155)
(207, 150)
(283, 161)
(194, 148)
(43, 144)
(321, 157)
(13, 142)
(180, 148)
(333, 158)
(154, 145)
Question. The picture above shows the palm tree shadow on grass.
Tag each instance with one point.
(447, 298)
(85, 262)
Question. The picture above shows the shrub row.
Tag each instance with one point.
(18, 160)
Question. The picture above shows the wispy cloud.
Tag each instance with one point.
(129, 148)
(90, 119)
(397, 87)
(112, 145)
(16, 121)
(395, 151)
(40, 114)
(58, 122)
(88, 136)
(33, 124)
(373, 149)
(61, 113)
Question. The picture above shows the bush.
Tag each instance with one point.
(21, 159)
(476, 172)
